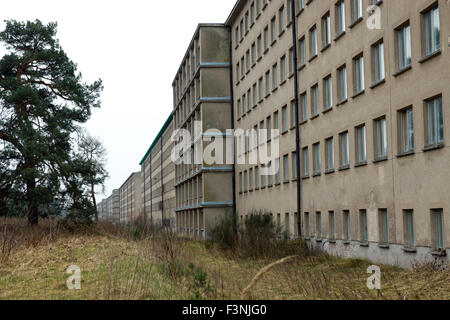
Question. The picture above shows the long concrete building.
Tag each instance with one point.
(158, 177)
(111, 207)
(366, 94)
(130, 194)
(354, 92)
(202, 93)
(101, 210)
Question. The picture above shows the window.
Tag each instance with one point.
(258, 6)
(250, 179)
(361, 156)
(383, 226)
(408, 228)
(330, 153)
(266, 38)
(346, 225)
(406, 127)
(259, 46)
(313, 42)
(304, 106)
(434, 121)
(239, 110)
(403, 47)
(257, 177)
(332, 235)
(294, 165)
(247, 22)
(302, 52)
(345, 153)
(275, 77)
(263, 179)
(283, 75)
(356, 10)
(291, 61)
(246, 138)
(254, 137)
(378, 62)
(287, 224)
(277, 172)
(342, 83)
(381, 138)
(293, 114)
(318, 225)
(437, 229)
(340, 17)
(270, 176)
(245, 181)
(276, 125)
(252, 13)
(326, 30)
(261, 89)
(432, 31)
(241, 29)
(364, 237)
(247, 58)
(269, 128)
(281, 19)
(305, 161)
(315, 100)
(255, 95)
(289, 11)
(244, 104)
(358, 64)
(236, 35)
(238, 70)
(253, 53)
(240, 182)
(267, 83)
(307, 229)
(328, 94)
(262, 133)
(316, 156)
(284, 119)
(286, 168)
(273, 28)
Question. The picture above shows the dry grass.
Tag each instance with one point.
(159, 266)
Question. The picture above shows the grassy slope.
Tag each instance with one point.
(115, 267)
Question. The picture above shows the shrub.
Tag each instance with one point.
(140, 228)
(225, 233)
(257, 237)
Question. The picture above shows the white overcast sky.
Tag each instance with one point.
(135, 47)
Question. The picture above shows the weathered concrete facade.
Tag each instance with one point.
(130, 194)
(101, 210)
(111, 207)
(158, 173)
(368, 102)
(370, 188)
(202, 92)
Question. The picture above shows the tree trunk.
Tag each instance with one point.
(33, 214)
(2, 203)
(94, 201)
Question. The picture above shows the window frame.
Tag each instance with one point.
(361, 144)
(406, 138)
(381, 139)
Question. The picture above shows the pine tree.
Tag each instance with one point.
(42, 102)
